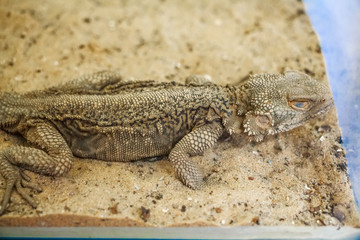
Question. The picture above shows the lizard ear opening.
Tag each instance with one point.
(257, 126)
(262, 121)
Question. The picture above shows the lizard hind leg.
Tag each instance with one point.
(54, 158)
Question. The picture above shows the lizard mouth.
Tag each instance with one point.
(323, 109)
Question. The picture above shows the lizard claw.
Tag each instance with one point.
(27, 184)
(19, 180)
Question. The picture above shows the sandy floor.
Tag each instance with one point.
(297, 178)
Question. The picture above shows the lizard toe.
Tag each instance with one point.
(23, 193)
(8, 189)
(27, 184)
(24, 175)
(16, 179)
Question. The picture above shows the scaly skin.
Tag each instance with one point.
(101, 116)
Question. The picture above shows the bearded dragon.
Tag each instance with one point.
(104, 117)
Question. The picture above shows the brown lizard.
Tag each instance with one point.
(103, 117)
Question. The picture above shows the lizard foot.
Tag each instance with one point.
(19, 180)
(190, 175)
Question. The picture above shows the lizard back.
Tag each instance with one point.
(134, 124)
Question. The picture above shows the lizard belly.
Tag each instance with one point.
(117, 143)
(130, 145)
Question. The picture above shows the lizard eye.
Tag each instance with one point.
(299, 104)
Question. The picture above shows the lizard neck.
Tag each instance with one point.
(233, 123)
(242, 99)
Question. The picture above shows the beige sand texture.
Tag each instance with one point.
(297, 178)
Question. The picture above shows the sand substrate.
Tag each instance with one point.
(296, 178)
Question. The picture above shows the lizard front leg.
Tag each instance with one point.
(53, 158)
(191, 144)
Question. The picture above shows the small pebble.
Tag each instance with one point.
(218, 22)
(111, 23)
(255, 220)
(334, 221)
(156, 195)
(338, 214)
(183, 208)
(114, 208)
(177, 65)
(145, 214)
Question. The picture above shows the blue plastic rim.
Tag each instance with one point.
(337, 25)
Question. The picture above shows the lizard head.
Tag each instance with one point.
(280, 102)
